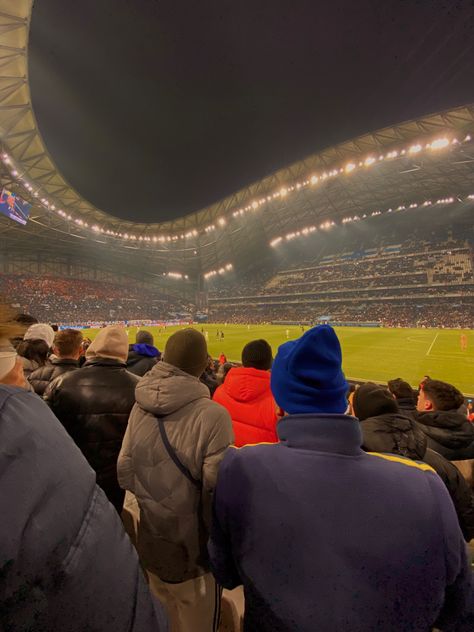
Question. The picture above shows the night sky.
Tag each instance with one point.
(154, 109)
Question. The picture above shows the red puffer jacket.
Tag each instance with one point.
(247, 396)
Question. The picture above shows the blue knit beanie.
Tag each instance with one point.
(307, 376)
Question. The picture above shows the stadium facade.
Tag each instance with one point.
(425, 161)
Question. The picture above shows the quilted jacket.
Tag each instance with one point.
(174, 513)
(247, 396)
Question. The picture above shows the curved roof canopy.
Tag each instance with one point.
(431, 157)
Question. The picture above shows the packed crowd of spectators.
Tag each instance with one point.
(74, 301)
(406, 284)
(126, 508)
(443, 313)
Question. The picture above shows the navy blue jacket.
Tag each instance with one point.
(327, 538)
(65, 562)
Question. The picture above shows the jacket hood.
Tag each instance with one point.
(448, 427)
(165, 389)
(393, 433)
(246, 384)
(143, 349)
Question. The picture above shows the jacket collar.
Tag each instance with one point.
(406, 402)
(337, 434)
(64, 361)
(98, 361)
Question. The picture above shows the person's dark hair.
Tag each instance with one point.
(401, 389)
(444, 396)
(144, 338)
(55, 327)
(68, 342)
(35, 350)
(25, 319)
(258, 355)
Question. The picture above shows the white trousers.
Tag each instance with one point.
(192, 606)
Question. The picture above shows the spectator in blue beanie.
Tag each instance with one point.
(324, 536)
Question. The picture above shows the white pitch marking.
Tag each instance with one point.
(432, 344)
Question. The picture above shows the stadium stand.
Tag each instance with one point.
(77, 301)
(409, 282)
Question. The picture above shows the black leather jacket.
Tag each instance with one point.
(93, 404)
(394, 433)
(40, 378)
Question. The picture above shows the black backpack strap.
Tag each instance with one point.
(174, 457)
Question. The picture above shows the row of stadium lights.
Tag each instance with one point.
(175, 275)
(438, 143)
(223, 270)
(207, 275)
(347, 220)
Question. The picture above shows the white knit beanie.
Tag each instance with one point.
(40, 331)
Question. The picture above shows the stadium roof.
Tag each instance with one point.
(428, 159)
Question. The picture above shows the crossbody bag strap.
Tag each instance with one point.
(174, 457)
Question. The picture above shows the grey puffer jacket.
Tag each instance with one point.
(173, 529)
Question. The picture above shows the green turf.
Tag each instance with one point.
(368, 354)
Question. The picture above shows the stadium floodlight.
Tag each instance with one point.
(414, 149)
(369, 161)
(275, 242)
(314, 180)
(439, 143)
(283, 192)
(349, 167)
(221, 221)
(254, 204)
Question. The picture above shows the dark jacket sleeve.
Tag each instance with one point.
(66, 561)
(457, 611)
(221, 555)
(460, 492)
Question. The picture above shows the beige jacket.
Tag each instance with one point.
(174, 515)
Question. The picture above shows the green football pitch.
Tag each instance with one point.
(368, 353)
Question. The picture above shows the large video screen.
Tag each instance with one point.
(14, 206)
